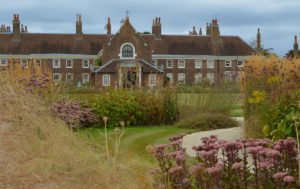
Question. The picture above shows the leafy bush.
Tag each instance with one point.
(135, 107)
(207, 121)
(74, 114)
(222, 164)
(271, 90)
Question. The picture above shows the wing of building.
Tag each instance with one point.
(127, 58)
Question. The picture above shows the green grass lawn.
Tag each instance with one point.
(135, 139)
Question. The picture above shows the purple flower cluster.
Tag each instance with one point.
(223, 164)
(36, 83)
(171, 158)
(73, 113)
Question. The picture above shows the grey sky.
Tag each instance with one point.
(279, 20)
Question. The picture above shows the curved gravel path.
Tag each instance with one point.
(224, 134)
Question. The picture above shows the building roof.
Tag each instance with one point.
(33, 43)
(110, 67)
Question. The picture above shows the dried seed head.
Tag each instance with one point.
(105, 119)
(122, 123)
(117, 130)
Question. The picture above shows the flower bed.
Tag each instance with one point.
(243, 164)
(271, 88)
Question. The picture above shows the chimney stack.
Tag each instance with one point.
(208, 28)
(215, 32)
(78, 26)
(200, 31)
(156, 27)
(296, 50)
(16, 27)
(258, 41)
(108, 27)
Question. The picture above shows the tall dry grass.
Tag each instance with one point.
(38, 151)
(270, 87)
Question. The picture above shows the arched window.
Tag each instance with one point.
(127, 51)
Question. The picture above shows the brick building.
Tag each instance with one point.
(128, 58)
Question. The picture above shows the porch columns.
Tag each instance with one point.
(140, 76)
(120, 77)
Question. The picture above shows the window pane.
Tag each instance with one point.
(127, 51)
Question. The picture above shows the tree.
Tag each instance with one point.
(263, 51)
(290, 54)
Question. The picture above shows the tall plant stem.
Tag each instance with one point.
(106, 140)
(298, 149)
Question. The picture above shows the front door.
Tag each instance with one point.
(130, 79)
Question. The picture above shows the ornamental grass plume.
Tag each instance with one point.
(38, 151)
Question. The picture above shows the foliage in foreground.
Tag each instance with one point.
(38, 151)
(222, 164)
(207, 121)
(271, 88)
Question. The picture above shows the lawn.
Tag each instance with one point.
(135, 139)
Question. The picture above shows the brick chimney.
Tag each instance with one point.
(215, 32)
(208, 28)
(108, 27)
(156, 27)
(258, 41)
(194, 32)
(16, 27)
(78, 26)
(296, 50)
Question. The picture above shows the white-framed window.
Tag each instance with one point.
(56, 63)
(154, 63)
(228, 75)
(198, 78)
(38, 62)
(69, 77)
(69, 63)
(169, 63)
(181, 78)
(127, 51)
(106, 80)
(240, 63)
(3, 62)
(85, 63)
(85, 78)
(56, 77)
(198, 64)
(152, 80)
(228, 64)
(24, 63)
(181, 63)
(170, 76)
(210, 64)
(210, 77)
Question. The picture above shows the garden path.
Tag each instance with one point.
(223, 134)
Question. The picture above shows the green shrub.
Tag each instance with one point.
(207, 121)
(135, 107)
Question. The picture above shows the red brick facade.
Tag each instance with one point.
(128, 56)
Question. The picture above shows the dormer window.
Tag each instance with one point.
(127, 51)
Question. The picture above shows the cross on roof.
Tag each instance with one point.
(127, 13)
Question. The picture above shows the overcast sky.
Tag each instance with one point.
(279, 20)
